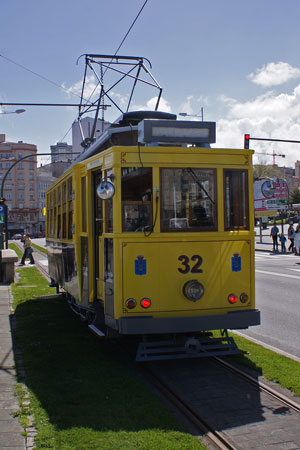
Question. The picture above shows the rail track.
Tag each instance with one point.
(273, 423)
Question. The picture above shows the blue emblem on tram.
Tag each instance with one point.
(140, 265)
(236, 263)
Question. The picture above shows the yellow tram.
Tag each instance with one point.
(150, 233)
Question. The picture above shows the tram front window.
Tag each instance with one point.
(136, 198)
(188, 200)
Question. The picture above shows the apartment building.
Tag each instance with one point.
(20, 186)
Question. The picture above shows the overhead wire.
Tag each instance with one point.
(62, 87)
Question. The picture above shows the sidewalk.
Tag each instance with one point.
(264, 243)
(10, 429)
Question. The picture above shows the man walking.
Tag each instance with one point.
(274, 233)
(27, 250)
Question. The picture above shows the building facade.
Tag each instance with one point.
(44, 179)
(20, 185)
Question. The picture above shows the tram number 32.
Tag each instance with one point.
(187, 266)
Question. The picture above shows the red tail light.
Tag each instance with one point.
(145, 302)
(232, 298)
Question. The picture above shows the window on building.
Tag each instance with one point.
(31, 186)
(20, 156)
(1, 167)
(8, 165)
(8, 187)
(21, 205)
(21, 186)
(20, 176)
(20, 165)
(31, 177)
(20, 197)
(31, 166)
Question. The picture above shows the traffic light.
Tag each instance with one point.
(246, 140)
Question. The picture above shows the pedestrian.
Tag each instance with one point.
(274, 233)
(27, 250)
(282, 239)
(291, 235)
(297, 240)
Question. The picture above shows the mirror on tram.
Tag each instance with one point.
(105, 190)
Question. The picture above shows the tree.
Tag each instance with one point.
(262, 170)
(295, 196)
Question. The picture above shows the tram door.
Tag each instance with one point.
(98, 238)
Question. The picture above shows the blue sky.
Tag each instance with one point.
(239, 60)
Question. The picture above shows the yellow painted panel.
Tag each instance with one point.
(169, 265)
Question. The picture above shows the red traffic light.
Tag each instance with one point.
(246, 140)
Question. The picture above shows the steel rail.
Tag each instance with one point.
(214, 436)
(261, 385)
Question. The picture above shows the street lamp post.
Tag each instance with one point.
(17, 111)
(183, 114)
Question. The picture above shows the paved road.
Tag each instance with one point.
(277, 280)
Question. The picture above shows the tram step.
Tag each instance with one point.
(186, 348)
(96, 330)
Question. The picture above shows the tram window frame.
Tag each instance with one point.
(236, 199)
(136, 198)
(199, 199)
(108, 205)
(83, 204)
(70, 208)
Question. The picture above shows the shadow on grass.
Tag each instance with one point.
(75, 378)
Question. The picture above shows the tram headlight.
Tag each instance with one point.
(130, 303)
(193, 290)
(244, 297)
(232, 298)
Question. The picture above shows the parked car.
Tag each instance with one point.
(17, 236)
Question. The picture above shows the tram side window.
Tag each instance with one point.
(236, 199)
(136, 198)
(188, 201)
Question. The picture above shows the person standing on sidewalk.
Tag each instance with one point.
(27, 250)
(274, 233)
(297, 240)
(291, 235)
(282, 239)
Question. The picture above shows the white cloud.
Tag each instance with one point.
(273, 116)
(89, 89)
(151, 103)
(273, 74)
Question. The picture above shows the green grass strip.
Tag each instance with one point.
(17, 249)
(39, 248)
(273, 366)
(82, 396)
